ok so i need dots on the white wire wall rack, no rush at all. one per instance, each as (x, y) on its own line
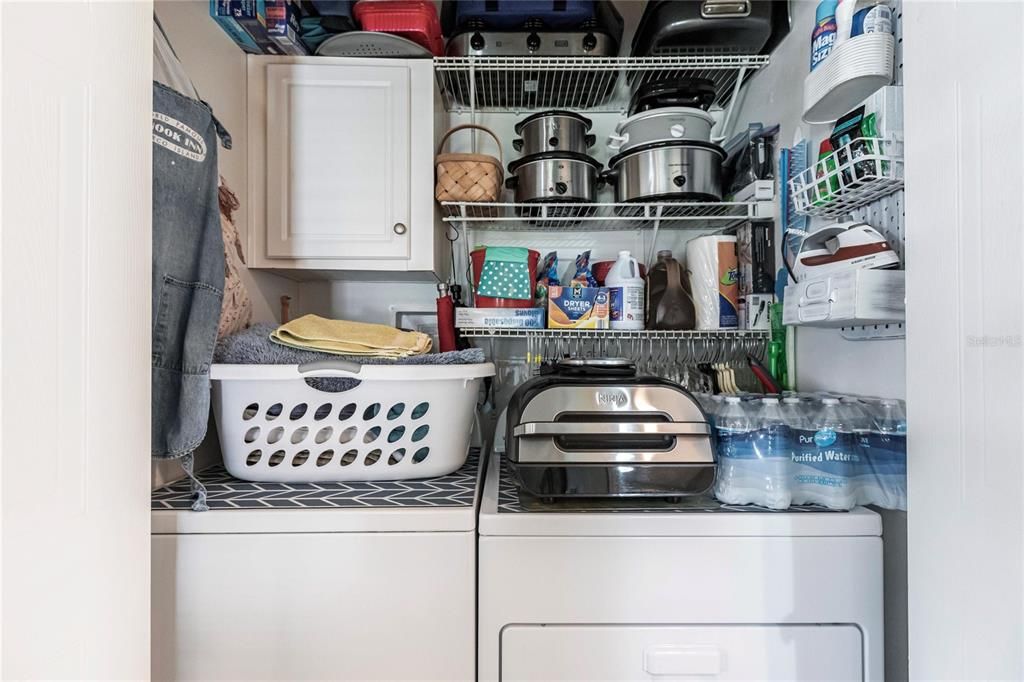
(716, 335)
(850, 178)
(598, 216)
(596, 84)
(677, 355)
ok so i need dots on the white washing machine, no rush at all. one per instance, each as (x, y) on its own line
(325, 581)
(711, 592)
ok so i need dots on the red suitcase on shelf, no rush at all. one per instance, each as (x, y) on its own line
(415, 20)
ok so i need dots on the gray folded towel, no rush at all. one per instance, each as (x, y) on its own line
(253, 346)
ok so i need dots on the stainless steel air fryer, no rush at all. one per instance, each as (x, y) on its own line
(593, 428)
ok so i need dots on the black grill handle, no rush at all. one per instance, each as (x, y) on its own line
(627, 369)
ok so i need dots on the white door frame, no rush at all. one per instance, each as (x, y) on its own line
(76, 101)
(963, 74)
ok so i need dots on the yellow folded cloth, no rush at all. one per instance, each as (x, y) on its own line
(341, 337)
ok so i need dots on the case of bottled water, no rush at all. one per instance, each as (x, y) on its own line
(837, 453)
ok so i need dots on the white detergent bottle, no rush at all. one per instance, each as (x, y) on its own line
(626, 287)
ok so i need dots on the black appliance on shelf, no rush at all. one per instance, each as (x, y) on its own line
(707, 27)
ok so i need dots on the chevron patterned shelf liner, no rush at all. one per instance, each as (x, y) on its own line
(227, 492)
(508, 502)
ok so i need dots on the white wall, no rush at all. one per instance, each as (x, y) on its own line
(824, 359)
(217, 68)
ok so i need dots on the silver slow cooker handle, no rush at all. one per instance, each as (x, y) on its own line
(609, 176)
(550, 429)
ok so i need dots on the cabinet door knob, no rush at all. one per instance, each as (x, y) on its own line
(400, 228)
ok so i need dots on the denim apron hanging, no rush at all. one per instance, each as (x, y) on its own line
(188, 273)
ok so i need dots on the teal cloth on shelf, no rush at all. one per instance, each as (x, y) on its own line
(506, 273)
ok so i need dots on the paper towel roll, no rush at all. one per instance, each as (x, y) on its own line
(711, 262)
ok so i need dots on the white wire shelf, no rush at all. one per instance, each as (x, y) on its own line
(596, 84)
(599, 216)
(614, 334)
(850, 178)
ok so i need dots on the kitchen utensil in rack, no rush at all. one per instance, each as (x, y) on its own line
(468, 177)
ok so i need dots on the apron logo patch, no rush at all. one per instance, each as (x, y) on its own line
(173, 135)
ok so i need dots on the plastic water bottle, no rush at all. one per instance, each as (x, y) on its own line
(708, 405)
(888, 457)
(626, 287)
(733, 431)
(891, 420)
(794, 413)
(823, 475)
(717, 404)
(772, 445)
(856, 415)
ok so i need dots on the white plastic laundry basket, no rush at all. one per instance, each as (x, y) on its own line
(401, 421)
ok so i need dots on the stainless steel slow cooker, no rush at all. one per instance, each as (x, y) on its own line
(670, 124)
(554, 131)
(555, 176)
(667, 171)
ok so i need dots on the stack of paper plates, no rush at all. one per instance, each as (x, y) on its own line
(851, 73)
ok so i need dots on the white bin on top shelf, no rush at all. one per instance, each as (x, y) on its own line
(291, 424)
(850, 74)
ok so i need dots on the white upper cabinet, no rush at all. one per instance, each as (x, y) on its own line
(341, 164)
(338, 178)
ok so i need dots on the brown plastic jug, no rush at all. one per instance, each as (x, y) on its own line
(669, 301)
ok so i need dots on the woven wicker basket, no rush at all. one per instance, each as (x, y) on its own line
(468, 177)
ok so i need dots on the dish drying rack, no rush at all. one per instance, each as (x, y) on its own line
(595, 84)
(841, 182)
(675, 355)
